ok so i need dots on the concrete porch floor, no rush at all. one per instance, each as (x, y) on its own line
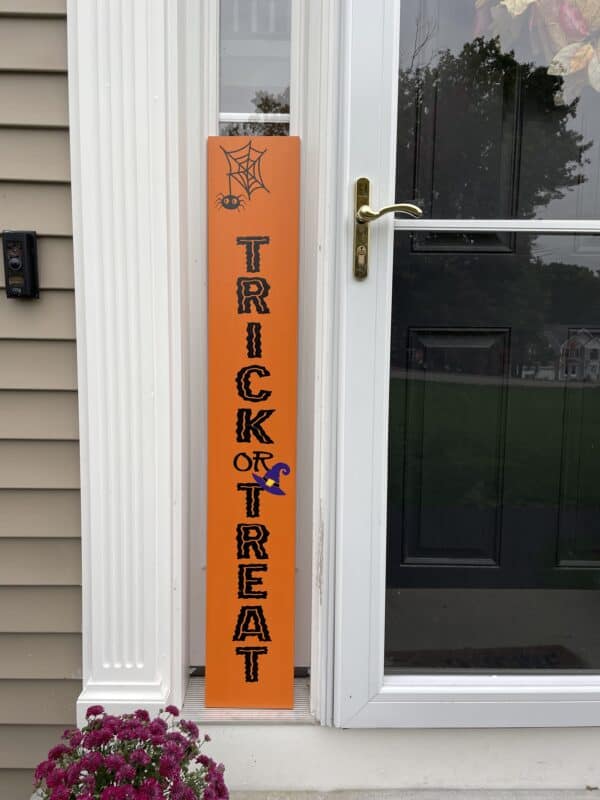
(426, 794)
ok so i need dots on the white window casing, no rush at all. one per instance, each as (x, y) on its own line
(143, 98)
(313, 101)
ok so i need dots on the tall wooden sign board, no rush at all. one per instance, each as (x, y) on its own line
(253, 201)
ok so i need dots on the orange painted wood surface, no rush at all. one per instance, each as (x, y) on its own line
(253, 201)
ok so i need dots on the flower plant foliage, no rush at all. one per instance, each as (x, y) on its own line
(131, 757)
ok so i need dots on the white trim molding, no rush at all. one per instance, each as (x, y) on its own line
(313, 105)
(466, 226)
(129, 285)
(200, 40)
(231, 116)
(314, 117)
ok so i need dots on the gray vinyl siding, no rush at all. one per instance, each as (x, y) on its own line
(40, 572)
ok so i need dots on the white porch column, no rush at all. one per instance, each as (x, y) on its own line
(123, 93)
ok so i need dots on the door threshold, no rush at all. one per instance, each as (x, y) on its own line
(194, 708)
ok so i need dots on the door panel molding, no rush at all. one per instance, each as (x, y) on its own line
(421, 393)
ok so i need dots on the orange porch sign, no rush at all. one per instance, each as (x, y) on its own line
(253, 201)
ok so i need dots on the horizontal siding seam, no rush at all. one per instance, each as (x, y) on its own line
(33, 127)
(37, 440)
(75, 538)
(8, 586)
(39, 489)
(23, 126)
(44, 632)
(51, 337)
(37, 339)
(39, 538)
(29, 390)
(35, 182)
(32, 71)
(39, 680)
(68, 236)
(33, 15)
(47, 339)
(48, 290)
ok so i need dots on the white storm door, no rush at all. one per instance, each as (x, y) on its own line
(468, 524)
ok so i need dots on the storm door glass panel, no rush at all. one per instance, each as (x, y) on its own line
(494, 457)
(493, 557)
(520, 81)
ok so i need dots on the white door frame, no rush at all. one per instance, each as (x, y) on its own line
(202, 120)
(314, 115)
(142, 85)
(364, 696)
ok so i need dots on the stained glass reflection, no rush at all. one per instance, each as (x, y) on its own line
(520, 80)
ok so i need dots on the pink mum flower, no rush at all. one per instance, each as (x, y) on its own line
(94, 711)
(140, 758)
(44, 769)
(58, 751)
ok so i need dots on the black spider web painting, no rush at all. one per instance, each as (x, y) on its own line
(243, 173)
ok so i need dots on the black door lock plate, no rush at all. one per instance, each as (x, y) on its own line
(20, 264)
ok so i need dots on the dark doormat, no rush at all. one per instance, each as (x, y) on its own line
(548, 656)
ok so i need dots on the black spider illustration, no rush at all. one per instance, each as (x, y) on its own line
(231, 202)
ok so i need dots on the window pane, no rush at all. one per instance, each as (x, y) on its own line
(255, 56)
(254, 129)
(493, 558)
(499, 108)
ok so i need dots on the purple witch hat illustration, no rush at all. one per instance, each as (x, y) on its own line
(270, 481)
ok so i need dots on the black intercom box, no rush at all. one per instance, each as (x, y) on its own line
(20, 263)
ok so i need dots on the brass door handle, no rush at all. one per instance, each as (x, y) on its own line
(363, 214)
(367, 214)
